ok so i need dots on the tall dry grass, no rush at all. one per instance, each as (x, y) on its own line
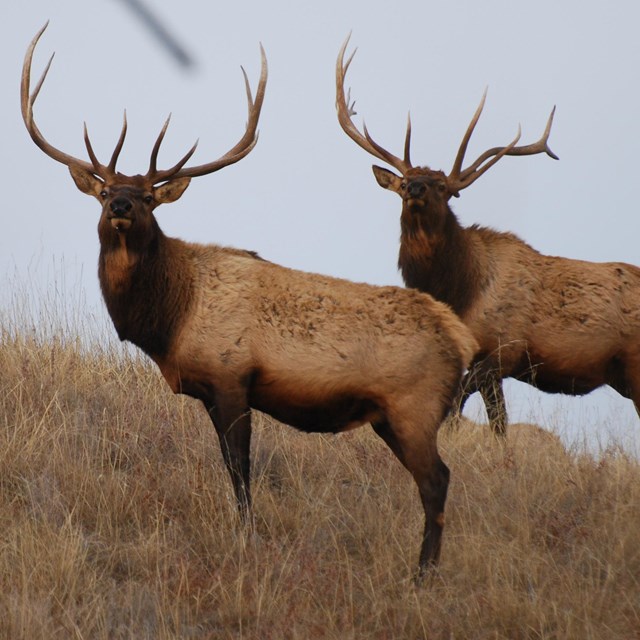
(117, 521)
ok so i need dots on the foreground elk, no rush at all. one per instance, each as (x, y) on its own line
(238, 332)
(565, 326)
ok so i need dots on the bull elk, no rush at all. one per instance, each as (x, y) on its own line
(562, 325)
(239, 333)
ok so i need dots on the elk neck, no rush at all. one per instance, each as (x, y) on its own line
(146, 283)
(437, 256)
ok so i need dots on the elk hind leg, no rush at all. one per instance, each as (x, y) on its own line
(494, 402)
(632, 381)
(467, 388)
(416, 448)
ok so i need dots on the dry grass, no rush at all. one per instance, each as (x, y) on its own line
(117, 521)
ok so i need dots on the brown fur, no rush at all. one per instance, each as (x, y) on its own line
(565, 326)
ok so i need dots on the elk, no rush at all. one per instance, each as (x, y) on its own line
(562, 325)
(239, 333)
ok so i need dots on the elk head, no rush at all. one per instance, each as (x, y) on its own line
(426, 192)
(128, 201)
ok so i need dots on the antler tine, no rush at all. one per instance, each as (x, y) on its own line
(156, 147)
(457, 165)
(97, 167)
(547, 131)
(36, 91)
(239, 151)
(383, 154)
(159, 176)
(345, 111)
(118, 149)
(407, 142)
(247, 88)
(27, 101)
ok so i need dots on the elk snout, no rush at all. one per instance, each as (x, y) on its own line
(416, 189)
(120, 206)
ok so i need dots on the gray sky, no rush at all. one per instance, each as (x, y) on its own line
(306, 197)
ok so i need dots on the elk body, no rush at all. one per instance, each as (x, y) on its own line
(562, 325)
(239, 333)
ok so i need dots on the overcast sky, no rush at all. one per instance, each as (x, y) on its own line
(306, 197)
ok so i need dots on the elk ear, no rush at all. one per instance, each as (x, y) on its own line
(172, 190)
(86, 181)
(387, 179)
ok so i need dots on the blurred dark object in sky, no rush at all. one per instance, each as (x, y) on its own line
(153, 23)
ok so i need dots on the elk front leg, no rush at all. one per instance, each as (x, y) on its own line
(231, 417)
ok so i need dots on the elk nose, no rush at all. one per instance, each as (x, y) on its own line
(120, 205)
(416, 189)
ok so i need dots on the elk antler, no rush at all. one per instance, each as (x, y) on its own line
(345, 109)
(460, 178)
(239, 151)
(26, 103)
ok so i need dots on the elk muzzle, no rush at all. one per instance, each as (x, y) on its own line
(416, 189)
(118, 215)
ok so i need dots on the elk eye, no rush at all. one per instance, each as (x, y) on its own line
(403, 185)
(148, 199)
(104, 193)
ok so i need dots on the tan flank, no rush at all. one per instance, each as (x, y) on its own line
(564, 326)
(238, 332)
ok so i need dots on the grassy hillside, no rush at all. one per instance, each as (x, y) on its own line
(117, 520)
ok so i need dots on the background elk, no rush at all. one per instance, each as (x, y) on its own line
(565, 326)
(238, 332)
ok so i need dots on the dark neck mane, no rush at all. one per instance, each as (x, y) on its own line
(146, 293)
(442, 263)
